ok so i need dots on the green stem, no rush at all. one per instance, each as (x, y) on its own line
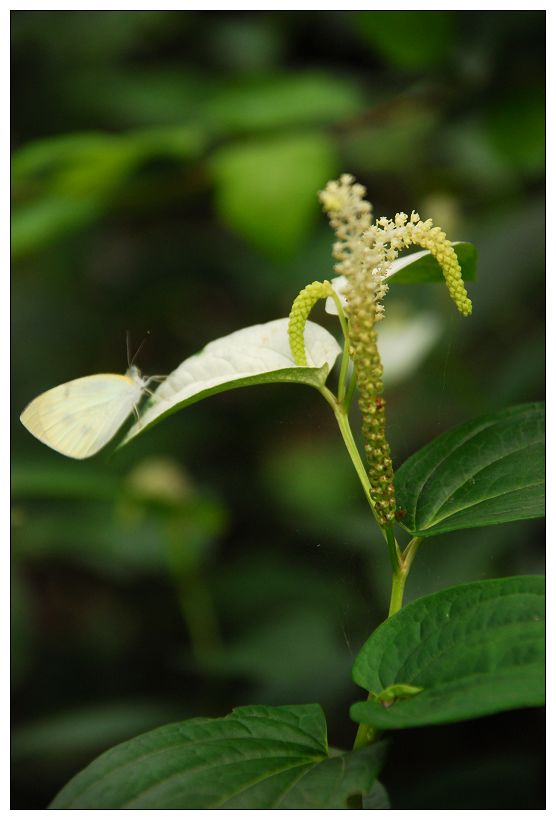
(345, 354)
(401, 562)
(367, 734)
(396, 595)
(347, 435)
(393, 548)
(350, 389)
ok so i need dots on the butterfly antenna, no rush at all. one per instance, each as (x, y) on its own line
(137, 352)
(127, 344)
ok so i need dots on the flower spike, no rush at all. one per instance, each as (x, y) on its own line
(301, 308)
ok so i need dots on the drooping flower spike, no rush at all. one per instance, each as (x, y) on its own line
(403, 231)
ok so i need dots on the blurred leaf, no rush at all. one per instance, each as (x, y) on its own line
(377, 799)
(247, 44)
(86, 730)
(21, 627)
(306, 654)
(91, 536)
(488, 471)
(257, 757)
(267, 581)
(515, 126)
(156, 482)
(281, 101)
(396, 144)
(266, 188)
(58, 479)
(254, 355)
(475, 649)
(313, 479)
(404, 341)
(63, 183)
(73, 164)
(409, 39)
(130, 536)
(480, 166)
(48, 219)
(141, 96)
(109, 36)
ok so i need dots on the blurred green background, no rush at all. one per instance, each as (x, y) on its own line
(165, 171)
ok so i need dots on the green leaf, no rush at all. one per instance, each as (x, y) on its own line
(377, 799)
(475, 649)
(281, 101)
(409, 39)
(266, 188)
(488, 471)
(254, 355)
(86, 730)
(62, 184)
(421, 266)
(47, 219)
(257, 757)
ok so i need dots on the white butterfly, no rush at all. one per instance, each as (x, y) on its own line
(79, 417)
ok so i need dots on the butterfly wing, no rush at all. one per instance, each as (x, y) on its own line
(79, 417)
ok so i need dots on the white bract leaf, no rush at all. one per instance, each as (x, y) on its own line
(339, 282)
(253, 355)
(404, 342)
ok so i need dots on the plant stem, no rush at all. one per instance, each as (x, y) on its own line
(345, 354)
(343, 423)
(365, 733)
(401, 562)
(350, 389)
(396, 594)
(393, 548)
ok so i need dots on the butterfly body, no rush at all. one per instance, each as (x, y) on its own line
(79, 417)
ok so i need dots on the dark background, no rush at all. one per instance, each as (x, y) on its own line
(165, 172)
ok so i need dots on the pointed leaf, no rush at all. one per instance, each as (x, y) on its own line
(475, 650)
(488, 471)
(254, 355)
(257, 757)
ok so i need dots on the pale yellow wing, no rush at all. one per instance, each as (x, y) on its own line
(79, 417)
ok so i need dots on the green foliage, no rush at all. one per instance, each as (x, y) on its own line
(125, 524)
(377, 799)
(474, 649)
(488, 471)
(265, 188)
(409, 39)
(280, 102)
(255, 758)
(515, 126)
(64, 183)
(86, 731)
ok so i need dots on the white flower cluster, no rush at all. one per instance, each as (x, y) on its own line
(351, 218)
